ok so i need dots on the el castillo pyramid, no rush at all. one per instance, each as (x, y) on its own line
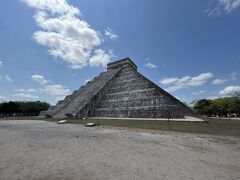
(121, 91)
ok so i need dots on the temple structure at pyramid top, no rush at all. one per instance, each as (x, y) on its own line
(121, 63)
(121, 91)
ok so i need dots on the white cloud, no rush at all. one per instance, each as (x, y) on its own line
(233, 76)
(213, 97)
(2, 98)
(56, 90)
(87, 80)
(229, 91)
(229, 5)
(26, 90)
(168, 81)
(100, 58)
(218, 81)
(197, 93)
(5, 77)
(53, 6)
(223, 6)
(8, 78)
(26, 96)
(186, 81)
(39, 79)
(68, 37)
(110, 34)
(150, 65)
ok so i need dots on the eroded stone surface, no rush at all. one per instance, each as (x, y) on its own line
(121, 91)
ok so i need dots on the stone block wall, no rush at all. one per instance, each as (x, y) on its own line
(121, 91)
(130, 95)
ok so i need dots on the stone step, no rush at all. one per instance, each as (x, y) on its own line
(134, 86)
(151, 101)
(122, 78)
(127, 82)
(132, 99)
(132, 94)
(127, 73)
(147, 90)
(87, 93)
(137, 107)
(63, 103)
(127, 69)
(166, 111)
(51, 108)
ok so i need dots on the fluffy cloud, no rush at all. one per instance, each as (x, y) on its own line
(26, 90)
(168, 81)
(39, 79)
(2, 98)
(26, 96)
(68, 37)
(56, 90)
(229, 5)
(53, 6)
(100, 57)
(197, 93)
(110, 34)
(230, 90)
(7, 78)
(186, 81)
(233, 76)
(221, 6)
(150, 65)
(218, 81)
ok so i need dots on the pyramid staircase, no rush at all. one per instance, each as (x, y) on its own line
(121, 91)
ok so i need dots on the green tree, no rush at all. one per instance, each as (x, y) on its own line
(221, 106)
(10, 108)
(27, 108)
(202, 106)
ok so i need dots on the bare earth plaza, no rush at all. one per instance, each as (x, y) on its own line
(45, 150)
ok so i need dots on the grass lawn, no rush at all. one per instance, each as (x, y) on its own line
(223, 127)
(20, 118)
(211, 126)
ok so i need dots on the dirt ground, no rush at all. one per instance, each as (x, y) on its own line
(45, 150)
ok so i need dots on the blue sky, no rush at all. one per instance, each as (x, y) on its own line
(51, 47)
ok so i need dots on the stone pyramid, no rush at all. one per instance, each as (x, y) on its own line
(121, 91)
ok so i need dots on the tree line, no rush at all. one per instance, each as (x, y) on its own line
(221, 107)
(25, 108)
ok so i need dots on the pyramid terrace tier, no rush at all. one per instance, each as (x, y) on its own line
(128, 87)
(138, 102)
(134, 94)
(141, 112)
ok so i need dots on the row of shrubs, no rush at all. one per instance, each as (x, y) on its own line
(25, 108)
(221, 107)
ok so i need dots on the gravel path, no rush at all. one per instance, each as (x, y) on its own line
(43, 150)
